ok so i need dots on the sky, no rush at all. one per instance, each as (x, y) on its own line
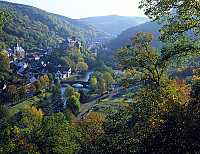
(86, 8)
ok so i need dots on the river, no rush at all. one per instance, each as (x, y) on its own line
(85, 77)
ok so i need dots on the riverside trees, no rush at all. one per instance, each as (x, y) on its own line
(73, 99)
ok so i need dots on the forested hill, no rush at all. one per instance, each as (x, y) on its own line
(33, 27)
(114, 24)
(126, 36)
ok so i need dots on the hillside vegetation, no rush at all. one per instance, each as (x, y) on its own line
(126, 36)
(114, 24)
(33, 27)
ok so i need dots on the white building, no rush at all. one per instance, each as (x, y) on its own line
(19, 52)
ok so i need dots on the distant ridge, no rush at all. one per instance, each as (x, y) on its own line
(33, 27)
(125, 39)
(126, 36)
(114, 24)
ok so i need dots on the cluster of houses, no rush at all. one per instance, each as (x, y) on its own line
(31, 66)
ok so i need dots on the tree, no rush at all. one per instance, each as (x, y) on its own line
(32, 117)
(12, 89)
(142, 60)
(73, 99)
(18, 136)
(82, 67)
(57, 135)
(12, 92)
(44, 80)
(84, 96)
(37, 85)
(32, 88)
(91, 129)
(74, 103)
(56, 89)
(4, 66)
(57, 100)
(108, 78)
(69, 91)
(196, 85)
(50, 76)
(93, 82)
(3, 111)
(22, 92)
(102, 86)
(185, 13)
(81, 60)
(4, 61)
(3, 19)
(178, 17)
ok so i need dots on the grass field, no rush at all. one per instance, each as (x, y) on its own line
(34, 100)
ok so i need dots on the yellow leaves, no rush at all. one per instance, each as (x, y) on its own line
(155, 121)
(38, 113)
(16, 130)
(76, 94)
(142, 37)
(95, 117)
(130, 72)
(81, 60)
(196, 78)
(21, 142)
(44, 80)
(176, 91)
(92, 125)
(93, 81)
(125, 84)
(82, 67)
(183, 92)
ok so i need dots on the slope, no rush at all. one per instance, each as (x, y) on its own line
(33, 27)
(114, 24)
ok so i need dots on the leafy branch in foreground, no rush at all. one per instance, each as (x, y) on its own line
(146, 63)
(177, 17)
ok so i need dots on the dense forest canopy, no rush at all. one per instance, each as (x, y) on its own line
(144, 107)
(33, 27)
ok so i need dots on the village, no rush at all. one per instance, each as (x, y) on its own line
(32, 70)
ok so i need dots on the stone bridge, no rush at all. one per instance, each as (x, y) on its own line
(85, 84)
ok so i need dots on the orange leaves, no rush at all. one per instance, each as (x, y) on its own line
(96, 118)
(92, 126)
(183, 91)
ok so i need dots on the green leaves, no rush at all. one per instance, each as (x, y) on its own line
(3, 19)
(141, 58)
(176, 16)
(73, 99)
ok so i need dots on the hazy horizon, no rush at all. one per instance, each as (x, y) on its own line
(86, 8)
